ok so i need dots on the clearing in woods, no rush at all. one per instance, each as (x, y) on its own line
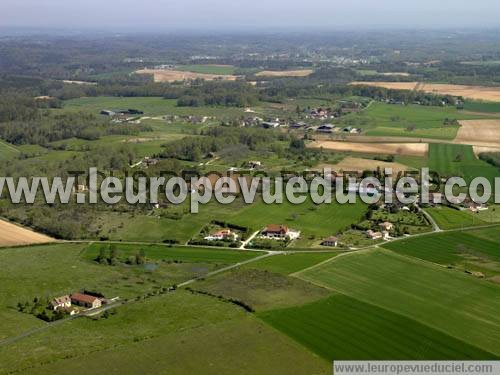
(413, 149)
(470, 92)
(13, 235)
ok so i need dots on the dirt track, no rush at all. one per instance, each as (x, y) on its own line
(413, 149)
(471, 92)
(13, 235)
(177, 75)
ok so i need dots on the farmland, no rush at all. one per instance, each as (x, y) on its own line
(187, 322)
(315, 222)
(208, 69)
(62, 268)
(458, 161)
(152, 106)
(14, 235)
(471, 92)
(289, 263)
(285, 73)
(161, 75)
(262, 290)
(171, 254)
(415, 121)
(360, 164)
(341, 327)
(463, 250)
(411, 149)
(479, 132)
(439, 298)
(450, 218)
(246, 288)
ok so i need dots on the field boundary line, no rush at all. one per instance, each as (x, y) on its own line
(295, 274)
(417, 261)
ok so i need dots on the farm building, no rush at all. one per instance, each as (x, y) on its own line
(387, 226)
(85, 300)
(270, 125)
(327, 128)
(276, 231)
(220, 235)
(60, 302)
(330, 241)
(254, 164)
(374, 235)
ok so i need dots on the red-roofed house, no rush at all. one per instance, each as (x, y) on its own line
(276, 231)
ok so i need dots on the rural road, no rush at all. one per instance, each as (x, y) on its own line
(88, 313)
(435, 225)
(245, 243)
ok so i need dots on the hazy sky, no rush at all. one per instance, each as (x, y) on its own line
(199, 14)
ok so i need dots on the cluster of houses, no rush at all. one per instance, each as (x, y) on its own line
(67, 303)
(192, 119)
(467, 204)
(328, 113)
(123, 115)
(382, 234)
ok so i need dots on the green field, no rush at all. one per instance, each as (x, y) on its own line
(450, 218)
(54, 270)
(446, 300)
(208, 69)
(474, 250)
(381, 119)
(458, 161)
(161, 225)
(262, 290)
(487, 107)
(181, 254)
(314, 221)
(343, 328)
(163, 334)
(152, 106)
(287, 264)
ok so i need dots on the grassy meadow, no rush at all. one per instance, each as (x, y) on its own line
(474, 250)
(189, 323)
(314, 221)
(450, 218)
(458, 161)
(446, 300)
(417, 121)
(344, 328)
